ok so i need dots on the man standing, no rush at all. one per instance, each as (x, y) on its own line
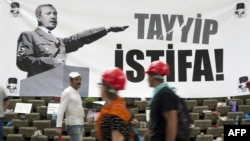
(71, 104)
(3, 106)
(164, 115)
(39, 50)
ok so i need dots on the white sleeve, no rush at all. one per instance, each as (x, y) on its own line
(65, 98)
(3, 93)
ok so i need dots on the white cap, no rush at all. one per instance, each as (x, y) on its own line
(74, 74)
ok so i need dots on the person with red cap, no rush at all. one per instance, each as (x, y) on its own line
(112, 123)
(164, 106)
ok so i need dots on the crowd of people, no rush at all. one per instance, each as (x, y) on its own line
(114, 119)
(113, 122)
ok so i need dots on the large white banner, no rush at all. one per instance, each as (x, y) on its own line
(205, 42)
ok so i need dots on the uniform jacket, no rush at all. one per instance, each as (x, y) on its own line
(37, 51)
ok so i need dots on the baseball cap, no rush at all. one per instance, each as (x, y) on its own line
(74, 74)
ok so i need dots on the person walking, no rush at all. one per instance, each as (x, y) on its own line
(112, 123)
(168, 113)
(71, 105)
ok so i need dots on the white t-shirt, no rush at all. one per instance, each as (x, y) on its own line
(2, 97)
(71, 104)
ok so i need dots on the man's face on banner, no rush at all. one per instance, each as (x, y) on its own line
(15, 10)
(48, 17)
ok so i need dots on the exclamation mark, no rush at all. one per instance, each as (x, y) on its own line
(219, 64)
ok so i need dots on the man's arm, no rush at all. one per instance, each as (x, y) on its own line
(6, 103)
(117, 28)
(248, 85)
(33, 56)
(5, 99)
(169, 112)
(117, 136)
(118, 126)
(76, 41)
(146, 136)
(171, 118)
(65, 98)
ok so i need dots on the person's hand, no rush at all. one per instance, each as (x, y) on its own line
(248, 84)
(59, 131)
(146, 136)
(117, 28)
(58, 62)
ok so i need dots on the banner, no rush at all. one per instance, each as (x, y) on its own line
(205, 42)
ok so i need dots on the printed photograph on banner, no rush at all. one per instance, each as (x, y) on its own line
(242, 84)
(40, 51)
(12, 86)
(14, 9)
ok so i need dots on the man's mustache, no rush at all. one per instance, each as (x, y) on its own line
(53, 21)
(78, 84)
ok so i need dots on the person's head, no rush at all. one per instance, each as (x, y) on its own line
(46, 15)
(12, 84)
(75, 80)
(113, 80)
(240, 9)
(14, 8)
(156, 72)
